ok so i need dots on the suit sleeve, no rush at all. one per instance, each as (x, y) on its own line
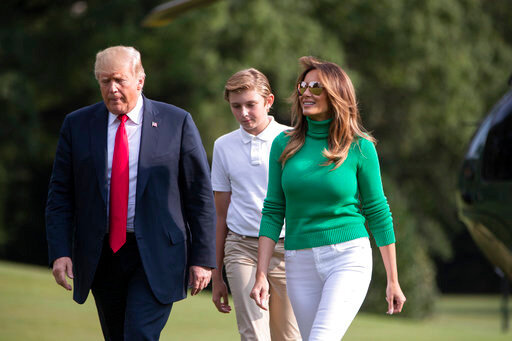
(60, 205)
(197, 196)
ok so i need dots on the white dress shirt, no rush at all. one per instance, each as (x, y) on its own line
(133, 126)
(240, 166)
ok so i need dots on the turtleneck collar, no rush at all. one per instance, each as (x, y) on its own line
(318, 129)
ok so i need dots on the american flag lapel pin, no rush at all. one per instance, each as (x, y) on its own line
(154, 124)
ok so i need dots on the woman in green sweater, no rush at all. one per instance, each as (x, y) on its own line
(324, 178)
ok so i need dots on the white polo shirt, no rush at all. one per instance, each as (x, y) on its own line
(240, 166)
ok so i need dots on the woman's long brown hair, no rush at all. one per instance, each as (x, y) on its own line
(346, 121)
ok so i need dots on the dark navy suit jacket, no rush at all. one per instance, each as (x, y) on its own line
(174, 211)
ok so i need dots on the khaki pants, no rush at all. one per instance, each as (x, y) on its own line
(241, 254)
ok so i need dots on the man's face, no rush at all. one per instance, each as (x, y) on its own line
(120, 88)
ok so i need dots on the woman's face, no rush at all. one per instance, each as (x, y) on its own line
(251, 110)
(316, 107)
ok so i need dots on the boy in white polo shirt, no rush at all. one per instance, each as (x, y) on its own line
(239, 179)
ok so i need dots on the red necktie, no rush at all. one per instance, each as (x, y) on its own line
(119, 184)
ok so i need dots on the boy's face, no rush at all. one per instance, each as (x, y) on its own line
(250, 110)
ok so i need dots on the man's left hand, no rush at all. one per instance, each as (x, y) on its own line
(199, 277)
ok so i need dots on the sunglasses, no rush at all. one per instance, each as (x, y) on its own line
(314, 87)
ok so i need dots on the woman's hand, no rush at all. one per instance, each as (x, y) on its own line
(259, 292)
(394, 295)
(395, 298)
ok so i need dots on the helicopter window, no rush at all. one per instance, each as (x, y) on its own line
(478, 140)
(497, 158)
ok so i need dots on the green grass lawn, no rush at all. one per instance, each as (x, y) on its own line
(33, 307)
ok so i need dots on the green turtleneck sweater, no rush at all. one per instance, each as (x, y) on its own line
(324, 207)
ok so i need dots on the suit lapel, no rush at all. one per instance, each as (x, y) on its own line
(148, 143)
(98, 136)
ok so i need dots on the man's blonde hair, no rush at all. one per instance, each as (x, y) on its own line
(116, 53)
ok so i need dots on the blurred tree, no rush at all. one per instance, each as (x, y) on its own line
(45, 72)
(420, 69)
(424, 72)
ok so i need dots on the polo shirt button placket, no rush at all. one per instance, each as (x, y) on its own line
(255, 151)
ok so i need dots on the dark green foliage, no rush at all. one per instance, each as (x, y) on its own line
(416, 270)
(425, 72)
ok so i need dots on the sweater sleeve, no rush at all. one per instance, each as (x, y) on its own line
(374, 203)
(274, 205)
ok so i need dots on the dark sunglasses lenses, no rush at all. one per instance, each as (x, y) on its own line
(314, 87)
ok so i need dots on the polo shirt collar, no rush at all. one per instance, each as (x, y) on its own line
(265, 135)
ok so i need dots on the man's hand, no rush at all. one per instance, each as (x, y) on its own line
(199, 277)
(61, 267)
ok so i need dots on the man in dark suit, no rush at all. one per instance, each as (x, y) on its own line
(130, 212)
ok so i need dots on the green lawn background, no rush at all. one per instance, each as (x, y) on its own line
(33, 307)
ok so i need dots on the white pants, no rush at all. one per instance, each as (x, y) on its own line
(327, 286)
